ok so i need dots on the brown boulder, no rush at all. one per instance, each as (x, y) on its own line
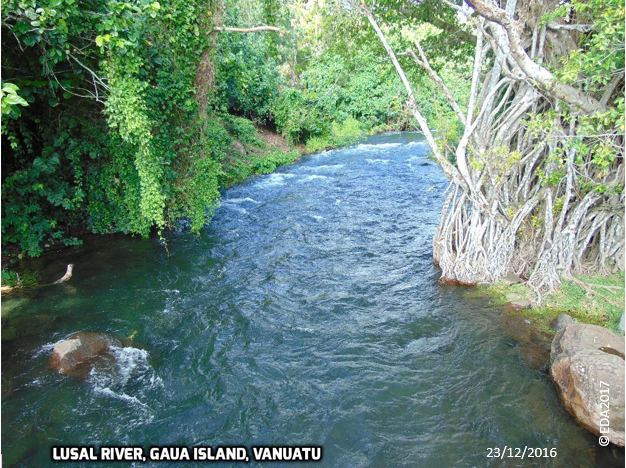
(587, 365)
(75, 355)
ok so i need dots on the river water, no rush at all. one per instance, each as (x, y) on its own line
(308, 312)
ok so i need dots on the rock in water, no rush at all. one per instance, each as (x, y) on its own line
(587, 365)
(562, 321)
(518, 304)
(535, 355)
(75, 355)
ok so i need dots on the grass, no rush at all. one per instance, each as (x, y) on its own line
(24, 278)
(570, 299)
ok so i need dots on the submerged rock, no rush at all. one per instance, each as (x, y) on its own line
(522, 330)
(13, 305)
(535, 355)
(587, 365)
(76, 355)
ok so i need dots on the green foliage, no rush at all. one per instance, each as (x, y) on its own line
(23, 278)
(570, 299)
(247, 79)
(242, 130)
(341, 134)
(102, 132)
(335, 89)
(142, 159)
(9, 278)
(10, 100)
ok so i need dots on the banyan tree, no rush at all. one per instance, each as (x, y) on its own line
(537, 176)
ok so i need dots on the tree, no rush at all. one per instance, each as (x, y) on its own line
(538, 185)
(204, 81)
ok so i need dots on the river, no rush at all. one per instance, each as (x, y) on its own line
(308, 312)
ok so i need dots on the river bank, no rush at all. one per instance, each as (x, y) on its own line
(254, 150)
(591, 299)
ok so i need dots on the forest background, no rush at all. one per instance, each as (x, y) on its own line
(128, 116)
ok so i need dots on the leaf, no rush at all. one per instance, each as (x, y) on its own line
(9, 86)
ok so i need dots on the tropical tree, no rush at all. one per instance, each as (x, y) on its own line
(537, 177)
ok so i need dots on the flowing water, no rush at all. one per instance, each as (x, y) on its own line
(308, 312)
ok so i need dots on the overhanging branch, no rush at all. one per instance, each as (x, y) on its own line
(247, 30)
(542, 76)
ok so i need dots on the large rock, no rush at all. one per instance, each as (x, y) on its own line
(76, 355)
(587, 364)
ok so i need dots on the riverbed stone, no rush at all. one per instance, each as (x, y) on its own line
(513, 297)
(522, 330)
(561, 322)
(535, 355)
(518, 304)
(586, 364)
(511, 279)
(76, 355)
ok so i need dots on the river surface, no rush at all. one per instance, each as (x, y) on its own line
(307, 313)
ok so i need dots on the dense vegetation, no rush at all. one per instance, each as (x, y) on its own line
(124, 116)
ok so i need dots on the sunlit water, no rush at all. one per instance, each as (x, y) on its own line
(308, 312)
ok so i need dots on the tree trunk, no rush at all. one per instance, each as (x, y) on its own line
(204, 81)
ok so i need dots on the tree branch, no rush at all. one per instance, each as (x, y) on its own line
(435, 77)
(610, 89)
(539, 74)
(571, 27)
(446, 166)
(247, 30)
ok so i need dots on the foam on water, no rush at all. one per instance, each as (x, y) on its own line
(309, 178)
(239, 200)
(323, 167)
(378, 161)
(126, 378)
(234, 207)
(274, 180)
